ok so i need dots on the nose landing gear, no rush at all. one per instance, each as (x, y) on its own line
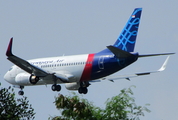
(21, 92)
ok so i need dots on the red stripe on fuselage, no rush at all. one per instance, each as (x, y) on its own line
(86, 75)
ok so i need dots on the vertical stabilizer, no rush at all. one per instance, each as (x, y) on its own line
(127, 39)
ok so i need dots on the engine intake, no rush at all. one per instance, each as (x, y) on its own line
(34, 79)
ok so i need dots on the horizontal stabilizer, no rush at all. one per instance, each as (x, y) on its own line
(149, 55)
(118, 52)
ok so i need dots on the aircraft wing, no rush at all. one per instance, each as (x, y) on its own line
(30, 68)
(163, 67)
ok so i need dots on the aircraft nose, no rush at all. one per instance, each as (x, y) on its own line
(7, 77)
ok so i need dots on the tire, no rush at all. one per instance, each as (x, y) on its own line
(53, 87)
(58, 88)
(21, 92)
(80, 90)
(83, 90)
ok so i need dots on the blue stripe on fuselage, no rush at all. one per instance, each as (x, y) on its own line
(105, 63)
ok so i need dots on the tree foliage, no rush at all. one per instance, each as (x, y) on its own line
(12, 108)
(123, 106)
(120, 107)
(73, 108)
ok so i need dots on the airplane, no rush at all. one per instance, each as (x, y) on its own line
(78, 71)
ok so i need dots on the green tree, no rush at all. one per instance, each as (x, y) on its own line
(73, 108)
(120, 107)
(123, 106)
(12, 108)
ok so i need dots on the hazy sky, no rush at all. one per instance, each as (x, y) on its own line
(52, 28)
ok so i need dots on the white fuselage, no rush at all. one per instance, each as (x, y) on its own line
(69, 66)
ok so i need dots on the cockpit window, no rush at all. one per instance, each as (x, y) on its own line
(10, 69)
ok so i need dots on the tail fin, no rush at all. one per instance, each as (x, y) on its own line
(127, 38)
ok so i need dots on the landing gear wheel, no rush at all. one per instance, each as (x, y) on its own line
(83, 90)
(56, 87)
(80, 90)
(21, 92)
(53, 87)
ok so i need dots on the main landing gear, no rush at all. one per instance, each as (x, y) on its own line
(83, 90)
(56, 87)
(83, 87)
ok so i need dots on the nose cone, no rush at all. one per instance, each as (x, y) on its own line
(8, 78)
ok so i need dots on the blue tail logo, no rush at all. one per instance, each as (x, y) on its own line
(127, 39)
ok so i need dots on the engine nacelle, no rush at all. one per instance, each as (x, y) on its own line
(72, 86)
(25, 79)
(22, 79)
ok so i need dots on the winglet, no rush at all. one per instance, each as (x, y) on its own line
(163, 67)
(9, 49)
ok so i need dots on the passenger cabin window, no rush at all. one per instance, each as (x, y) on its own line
(64, 64)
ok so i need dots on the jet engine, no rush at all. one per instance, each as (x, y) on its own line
(26, 79)
(72, 86)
